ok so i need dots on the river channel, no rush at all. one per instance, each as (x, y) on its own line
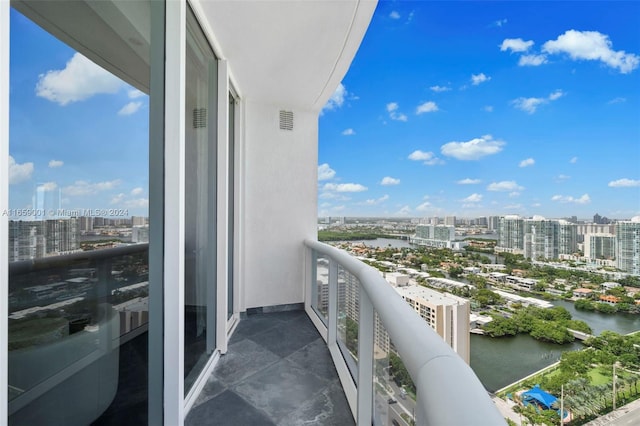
(501, 361)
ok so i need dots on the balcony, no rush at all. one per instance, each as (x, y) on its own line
(297, 367)
(327, 361)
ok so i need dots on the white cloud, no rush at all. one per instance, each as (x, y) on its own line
(348, 132)
(429, 106)
(79, 80)
(514, 194)
(532, 60)
(387, 180)
(500, 22)
(55, 163)
(392, 109)
(617, 100)
(468, 181)
(344, 187)
(375, 201)
(439, 89)
(81, 187)
(404, 211)
(325, 172)
(584, 199)
(130, 108)
(504, 186)
(474, 149)
(562, 178)
(425, 207)
(136, 203)
(337, 99)
(513, 207)
(488, 108)
(135, 93)
(527, 162)
(479, 78)
(473, 198)
(48, 186)
(592, 46)
(515, 45)
(530, 105)
(19, 173)
(394, 15)
(428, 158)
(624, 183)
(556, 95)
(117, 199)
(573, 160)
(137, 191)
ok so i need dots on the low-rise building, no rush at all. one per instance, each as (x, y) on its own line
(582, 292)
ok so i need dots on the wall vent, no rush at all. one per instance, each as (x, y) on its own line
(286, 120)
(199, 118)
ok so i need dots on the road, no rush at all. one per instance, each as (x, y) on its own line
(628, 415)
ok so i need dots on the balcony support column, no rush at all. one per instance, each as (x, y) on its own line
(365, 359)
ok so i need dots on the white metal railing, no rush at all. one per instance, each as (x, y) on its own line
(448, 391)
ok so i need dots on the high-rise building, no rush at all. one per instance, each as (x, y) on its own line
(85, 223)
(439, 236)
(511, 234)
(537, 238)
(450, 220)
(541, 238)
(628, 245)
(138, 220)
(493, 223)
(567, 237)
(600, 246)
(39, 238)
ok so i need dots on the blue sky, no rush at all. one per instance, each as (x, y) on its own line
(480, 108)
(449, 108)
(76, 131)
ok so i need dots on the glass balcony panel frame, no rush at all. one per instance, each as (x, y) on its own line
(440, 375)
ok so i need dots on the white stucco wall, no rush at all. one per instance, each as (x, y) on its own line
(280, 203)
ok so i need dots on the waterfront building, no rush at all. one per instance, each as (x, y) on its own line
(628, 245)
(537, 238)
(85, 223)
(437, 236)
(447, 314)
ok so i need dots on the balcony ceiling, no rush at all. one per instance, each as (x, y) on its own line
(289, 53)
(292, 53)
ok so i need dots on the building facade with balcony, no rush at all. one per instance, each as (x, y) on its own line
(233, 92)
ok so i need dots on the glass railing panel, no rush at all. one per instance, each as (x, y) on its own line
(347, 322)
(320, 286)
(68, 317)
(394, 393)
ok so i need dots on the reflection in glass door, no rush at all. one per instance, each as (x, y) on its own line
(200, 196)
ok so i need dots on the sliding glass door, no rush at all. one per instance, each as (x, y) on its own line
(200, 203)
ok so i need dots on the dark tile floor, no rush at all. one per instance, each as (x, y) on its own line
(277, 371)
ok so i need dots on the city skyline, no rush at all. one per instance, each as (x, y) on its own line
(477, 109)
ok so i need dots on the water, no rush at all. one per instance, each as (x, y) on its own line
(501, 361)
(384, 243)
